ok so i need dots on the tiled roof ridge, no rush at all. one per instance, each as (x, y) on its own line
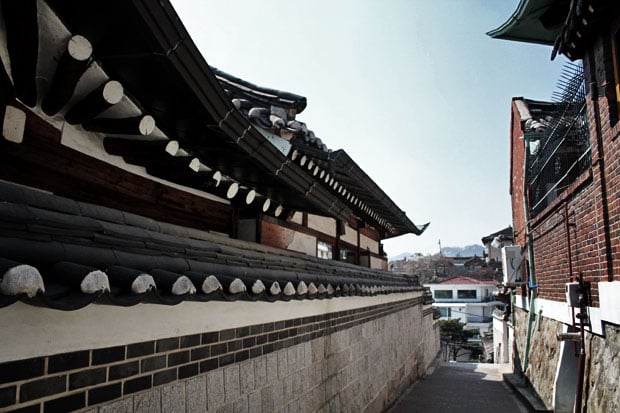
(265, 95)
(469, 280)
(270, 109)
(10, 192)
(101, 256)
(113, 219)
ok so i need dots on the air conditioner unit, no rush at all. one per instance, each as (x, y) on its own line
(511, 265)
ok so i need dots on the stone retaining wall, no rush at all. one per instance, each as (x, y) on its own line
(601, 386)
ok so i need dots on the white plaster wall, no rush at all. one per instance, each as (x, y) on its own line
(303, 243)
(377, 263)
(350, 235)
(608, 310)
(297, 218)
(367, 243)
(322, 224)
(29, 331)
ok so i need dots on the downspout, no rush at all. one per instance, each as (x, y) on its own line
(584, 294)
(531, 280)
(568, 244)
(583, 290)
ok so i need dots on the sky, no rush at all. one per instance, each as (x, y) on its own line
(413, 90)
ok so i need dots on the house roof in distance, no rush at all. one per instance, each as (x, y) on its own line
(502, 235)
(462, 280)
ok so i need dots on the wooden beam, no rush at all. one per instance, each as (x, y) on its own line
(100, 99)
(7, 92)
(22, 35)
(42, 162)
(140, 149)
(204, 181)
(142, 125)
(71, 66)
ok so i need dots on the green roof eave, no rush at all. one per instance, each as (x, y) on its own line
(524, 25)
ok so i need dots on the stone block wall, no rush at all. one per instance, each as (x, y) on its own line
(353, 360)
(543, 355)
(601, 385)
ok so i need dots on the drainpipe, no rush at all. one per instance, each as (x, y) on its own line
(584, 320)
(568, 244)
(531, 281)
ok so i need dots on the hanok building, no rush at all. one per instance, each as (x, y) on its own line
(493, 243)
(565, 202)
(214, 252)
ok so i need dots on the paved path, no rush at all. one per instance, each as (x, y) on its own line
(461, 388)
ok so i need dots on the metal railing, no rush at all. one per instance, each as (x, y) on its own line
(556, 157)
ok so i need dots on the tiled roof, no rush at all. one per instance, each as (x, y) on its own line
(502, 235)
(275, 112)
(467, 280)
(270, 109)
(205, 129)
(66, 254)
(568, 26)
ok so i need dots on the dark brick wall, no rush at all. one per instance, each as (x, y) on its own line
(86, 378)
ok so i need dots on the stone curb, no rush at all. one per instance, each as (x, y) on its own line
(525, 392)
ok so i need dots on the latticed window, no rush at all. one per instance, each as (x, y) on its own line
(443, 293)
(466, 294)
(561, 152)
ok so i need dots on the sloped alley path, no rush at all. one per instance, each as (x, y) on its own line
(461, 388)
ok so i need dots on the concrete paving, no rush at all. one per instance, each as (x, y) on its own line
(461, 388)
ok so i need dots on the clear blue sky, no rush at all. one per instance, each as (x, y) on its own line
(414, 91)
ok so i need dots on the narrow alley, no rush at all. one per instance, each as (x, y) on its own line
(462, 388)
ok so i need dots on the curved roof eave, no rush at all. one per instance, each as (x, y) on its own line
(156, 37)
(236, 125)
(390, 210)
(524, 24)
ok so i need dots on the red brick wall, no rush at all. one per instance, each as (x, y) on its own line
(517, 152)
(585, 219)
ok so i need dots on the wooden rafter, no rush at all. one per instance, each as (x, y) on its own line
(22, 33)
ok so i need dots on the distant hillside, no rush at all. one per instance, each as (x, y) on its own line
(468, 251)
(407, 255)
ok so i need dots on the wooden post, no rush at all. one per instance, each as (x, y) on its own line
(72, 65)
(22, 33)
(100, 99)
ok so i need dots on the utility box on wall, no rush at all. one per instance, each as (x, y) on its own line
(572, 294)
(511, 265)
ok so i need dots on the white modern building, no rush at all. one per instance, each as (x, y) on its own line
(465, 298)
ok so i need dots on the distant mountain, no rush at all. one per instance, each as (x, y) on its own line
(404, 255)
(467, 251)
